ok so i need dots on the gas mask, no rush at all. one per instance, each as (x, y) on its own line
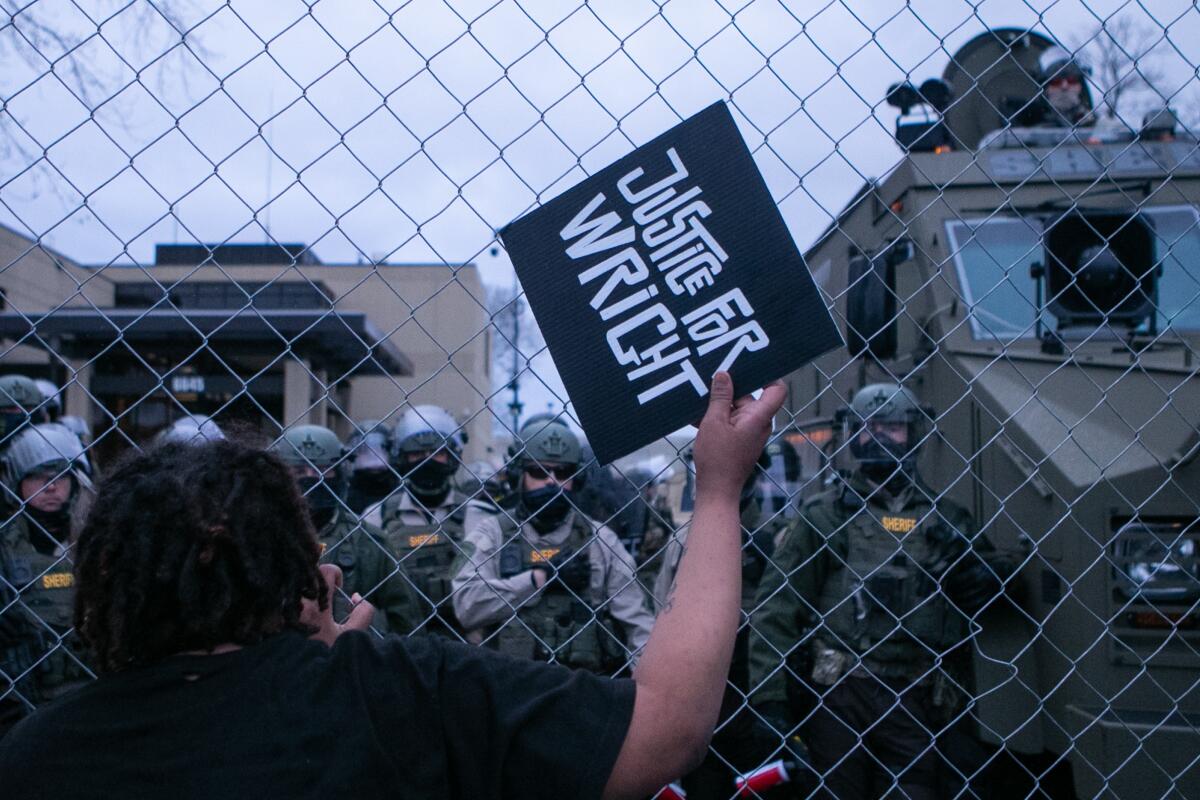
(882, 456)
(429, 480)
(323, 496)
(547, 507)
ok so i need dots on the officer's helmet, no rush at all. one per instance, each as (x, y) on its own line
(191, 429)
(874, 422)
(77, 426)
(309, 446)
(427, 429)
(18, 391)
(67, 442)
(370, 446)
(45, 449)
(1057, 64)
(52, 398)
(20, 402)
(542, 444)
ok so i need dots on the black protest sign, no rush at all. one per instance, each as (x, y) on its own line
(666, 266)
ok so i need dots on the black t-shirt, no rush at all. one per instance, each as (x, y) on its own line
(290, 718)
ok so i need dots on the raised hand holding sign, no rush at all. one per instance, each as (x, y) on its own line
(660, 270)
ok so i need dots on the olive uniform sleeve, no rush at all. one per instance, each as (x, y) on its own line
(785, 607)
(481, 597)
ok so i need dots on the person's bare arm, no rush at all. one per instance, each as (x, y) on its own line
(682, 674)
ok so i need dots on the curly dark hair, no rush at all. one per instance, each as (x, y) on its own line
(190, 546)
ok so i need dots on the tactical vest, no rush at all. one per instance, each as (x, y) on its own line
(574, 631)
(881, 599)
(47, 588)
(426, 552)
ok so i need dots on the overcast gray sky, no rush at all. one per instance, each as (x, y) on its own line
(412, 131)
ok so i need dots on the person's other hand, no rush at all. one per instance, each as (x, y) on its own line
(732, 436)
(328, 629)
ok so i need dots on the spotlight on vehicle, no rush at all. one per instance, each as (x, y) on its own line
(1100, 270)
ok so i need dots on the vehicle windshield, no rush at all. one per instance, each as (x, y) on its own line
(993, 259)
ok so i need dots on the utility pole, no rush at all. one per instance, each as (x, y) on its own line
(515, 405)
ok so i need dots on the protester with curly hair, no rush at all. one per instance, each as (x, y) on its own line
(197, 585)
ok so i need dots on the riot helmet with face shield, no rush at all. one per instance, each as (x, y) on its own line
(41, 474)
(1064, 88)
(428, 448)
(372, 477)
(317, 460)
(885, 426)
(191, 429)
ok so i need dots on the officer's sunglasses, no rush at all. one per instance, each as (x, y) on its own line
(539, 473)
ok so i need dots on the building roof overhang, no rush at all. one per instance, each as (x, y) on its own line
(345, 342)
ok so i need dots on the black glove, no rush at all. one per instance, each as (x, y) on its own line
(567, 570)
(972, 583)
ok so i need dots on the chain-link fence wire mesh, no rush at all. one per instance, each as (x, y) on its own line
(1009, 613)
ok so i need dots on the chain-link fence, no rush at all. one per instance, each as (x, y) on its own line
(278, 221)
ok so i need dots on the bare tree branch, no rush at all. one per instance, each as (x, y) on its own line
(1125, 66)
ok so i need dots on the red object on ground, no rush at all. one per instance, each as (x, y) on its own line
(765, 777)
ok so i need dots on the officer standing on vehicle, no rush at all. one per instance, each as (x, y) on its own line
(860, 622)
(425, 520)
(317, 461)
(1065, 100)
(35, 545)
(544, 581)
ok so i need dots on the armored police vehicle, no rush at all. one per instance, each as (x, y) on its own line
(1037, 283)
